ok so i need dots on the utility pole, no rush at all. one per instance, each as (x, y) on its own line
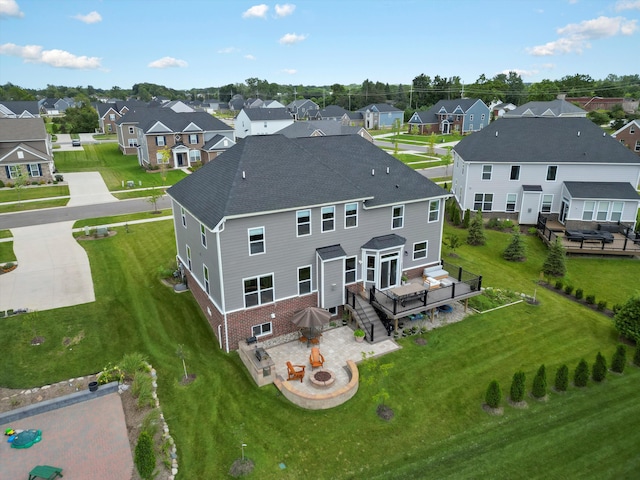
(411, 96)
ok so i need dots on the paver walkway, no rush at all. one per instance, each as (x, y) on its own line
(87, 440)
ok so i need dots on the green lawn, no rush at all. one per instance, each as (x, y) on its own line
(114, 167)
(439, 429)
(20, 207)
(30, 193)
(5, 234)
(133, 194)
(6, 252)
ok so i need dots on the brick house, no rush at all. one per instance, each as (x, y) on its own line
(279, 224)
(629, 136)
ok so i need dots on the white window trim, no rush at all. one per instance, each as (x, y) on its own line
(606, 212)
(547, 174)
(310, 267)
(37, 170)
(593, 210)
(258, 277)
(130, 130)
(612, 211)
(203, 235)
(205, 279)
(270, 332)
(183, 216)
(542, 202)
(191, 142)
(310, 227)
(161, 141)
(483, 201)
(355, 270)
(519, 172)
(345, 215)
(264, 241)
(490, 172)
(515, 202)
(189, 263)
(437, 211)
(426, 250)
(322, 219)
(401, 217)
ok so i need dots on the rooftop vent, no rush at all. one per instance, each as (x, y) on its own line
(578, 132)
(496, 133)
(373, 171)
(387, 170)
(243, 174)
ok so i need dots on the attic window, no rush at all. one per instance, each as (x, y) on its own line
(20, 154)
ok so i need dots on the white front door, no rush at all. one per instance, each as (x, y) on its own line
(529, 210)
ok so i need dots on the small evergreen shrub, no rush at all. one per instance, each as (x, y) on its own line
(145, 456)
(636, 356)
(616, 307)
(581, 374)
(558, 284)
(568, 289)
(599, 371)
(455, 216)
(466, 220)
(517, 387)
(591, 299)
(619, 360)
(579, 293)
(539, 389)
(532, 230)
(602, 304)
(493, 395)
(555, 263)
(1, 184)
(476, 236)
(562, 379)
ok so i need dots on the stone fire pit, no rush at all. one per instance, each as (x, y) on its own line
(322, 378)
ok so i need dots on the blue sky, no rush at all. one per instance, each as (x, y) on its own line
(208, 43)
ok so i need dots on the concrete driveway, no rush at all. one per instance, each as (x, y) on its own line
(53, 270)
(87, 188)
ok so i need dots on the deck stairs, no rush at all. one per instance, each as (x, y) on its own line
(365, 316)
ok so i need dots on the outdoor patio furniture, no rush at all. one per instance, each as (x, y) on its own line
(295, 371)
(316, 359)
(45, 471)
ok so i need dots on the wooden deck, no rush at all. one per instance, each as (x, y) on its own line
(621, 245)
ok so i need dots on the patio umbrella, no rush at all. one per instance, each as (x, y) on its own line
(311, 317)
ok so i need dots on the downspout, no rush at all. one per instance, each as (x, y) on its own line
(222, 297)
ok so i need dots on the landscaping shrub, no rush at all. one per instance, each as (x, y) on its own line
(132, 363)
(627, 320)
(539, 389)
(562, 379)
(558, 284)
(517, 387)
(616, 307)
(579, 293)
(494, 395)
(591, 299)
(581, 374)
(507, 225)
(142, 389)
(476, 235)
(111, 373)
(554, 265)
(568, 289)
(599, 372)
(636, 356)
(466, 221)
(455, 215)
(515, 251)
(602, 304)
(151, 422)
(1, 184)
(532, 230)
(619, 360)
(145, 456)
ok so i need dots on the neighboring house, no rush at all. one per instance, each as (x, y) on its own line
(604, 103)
(110, 113)
(178, 106)
(19, 109)
(464, 116)
(212, 105)
(261, 121)
(236, 103)
(272, 104)
(380, 115)
(253, 103)
(629, 136)
(333, 112)
(566, 168)
(500, 108)
(554, 108)
(299, 108)
(55, 106)
(323, 128)
(190, 137)
(25, 146)
(279, 224)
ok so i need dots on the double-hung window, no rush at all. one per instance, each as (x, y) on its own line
(205, 274)
(183, 217)
(189, 257)
(616, 211)
(194, 156)
(258, 290)
(328, 219)
(483, 202)
(261, 330)
(350, 215)
(603, 211)
(256, 241)
(193, 138)
(350, 264)
(34, 170)
(434, 210)
(303, 223)
(130, 130)
(160, 141)
(397, 216)
(637, 147)
(552, 173)
(420, 250)
(515, 172)
(512, 198)
(547, 201)
(203, 235)
(304, 280)
(588, 210)
(486, 172)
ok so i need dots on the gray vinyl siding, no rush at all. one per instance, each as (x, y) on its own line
(285, 252)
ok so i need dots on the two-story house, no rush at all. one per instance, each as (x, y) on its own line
(566, 168)
(25, 147)
(190, 137)
(261, 121)
(300, 108)
(109, 113)
(317, 128)
(463, 116)
(278, 224)
(380, 115)
(19, 109)
(629, 135)
(558, 108)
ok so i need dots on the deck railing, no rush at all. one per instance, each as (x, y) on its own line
(351, 296)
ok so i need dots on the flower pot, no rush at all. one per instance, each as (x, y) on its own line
(93, 386)
(359, 339)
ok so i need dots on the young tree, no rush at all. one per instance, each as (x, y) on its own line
(554, 265)
(515, 252)
(539, 389)
(619, 360)
(145, 456)
(20, 180)
(599, 371)
(517, 387)
(562, 379)
(581, 374)
(476, 235)
(453, 241)
(182, 355)
(455, 215)
(493, 395)
(466, 220)
(627, 320)
(154, 197)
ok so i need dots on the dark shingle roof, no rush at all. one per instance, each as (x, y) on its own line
(553, 108)
(272, 172)
(257, 114)
(604, 190)
(431, 115)
(175, 121)
(385, 241)
(380, 107)
(543, 140)
(326, 127)
(334, 251)
(333, 111)
(20, 106)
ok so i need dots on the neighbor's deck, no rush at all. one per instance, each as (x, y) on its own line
(621, 245)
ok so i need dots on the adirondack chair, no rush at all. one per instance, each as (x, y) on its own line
(295, 371)
(45, 471)
(316, 359)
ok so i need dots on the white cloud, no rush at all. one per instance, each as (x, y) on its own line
(55, 58)
(290, 71)
(257, 11)
(627, 5)
(249, 57)
(575, 37)
(9, 8)
(93, 17)
(292, 38)
(521, 72)
(284, 10)
(228, 50)
(167, 62)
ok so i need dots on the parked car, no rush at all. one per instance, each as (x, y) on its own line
(75, 142)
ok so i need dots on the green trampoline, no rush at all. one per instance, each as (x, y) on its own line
(26, 438)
